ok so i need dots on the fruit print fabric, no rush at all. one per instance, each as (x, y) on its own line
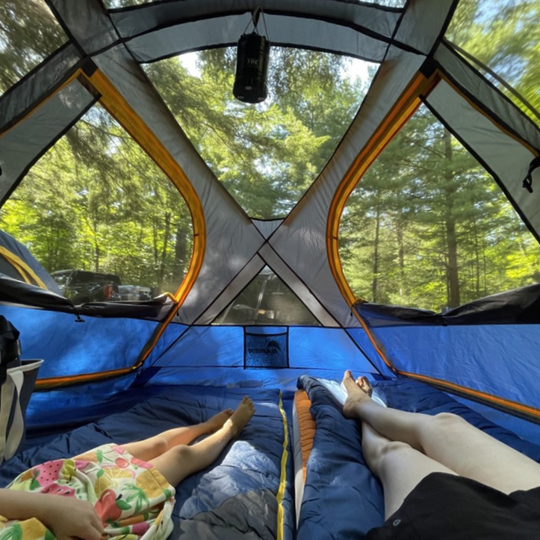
(132, 498)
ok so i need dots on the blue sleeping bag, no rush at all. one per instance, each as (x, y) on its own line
(236, 497)
(342, 498)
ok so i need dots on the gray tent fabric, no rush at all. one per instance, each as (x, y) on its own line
(87, 22)
(432, 17)
(266, 228)
(284, 31)
(493, 102)
(237, 248)
(24, 96)
(133, 22)
(231, 238)
(507, 158)
(301, 239)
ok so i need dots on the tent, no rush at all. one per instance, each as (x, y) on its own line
(484, 351)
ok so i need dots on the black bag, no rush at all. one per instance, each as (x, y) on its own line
(17, 380)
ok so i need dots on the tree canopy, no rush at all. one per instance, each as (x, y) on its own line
(266, 155)
(28, 34)
(95, 201)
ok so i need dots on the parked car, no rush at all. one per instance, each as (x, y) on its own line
(129, 292)
(135, 293)
(145, 293)
(82, 286)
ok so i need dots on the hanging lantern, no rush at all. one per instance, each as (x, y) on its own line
(252, 66)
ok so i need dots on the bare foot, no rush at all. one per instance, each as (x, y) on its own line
(364, 384)
(217, 421)
(356, 394)
(240, 418)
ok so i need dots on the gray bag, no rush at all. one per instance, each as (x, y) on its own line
(17, 380)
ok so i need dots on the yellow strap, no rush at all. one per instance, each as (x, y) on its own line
(283, 478)
(22, 268)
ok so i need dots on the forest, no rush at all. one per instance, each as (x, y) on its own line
(426, 226)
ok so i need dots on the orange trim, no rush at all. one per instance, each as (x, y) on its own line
(119, 108)
(68, 81)
(306, 426)
(150, 346)
(392, 123)
(521, 141)
(405, 107)
(506, 403)
(374, 342)
(54, 382)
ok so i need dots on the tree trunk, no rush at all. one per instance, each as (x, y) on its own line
(477, 260)
(401, 257)
(452, 274)
(180, 252)
(96, 246)
(374, 291)
(163, 258)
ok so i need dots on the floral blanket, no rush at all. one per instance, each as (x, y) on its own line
(132, 498)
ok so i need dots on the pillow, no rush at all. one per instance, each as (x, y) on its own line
(340, 394)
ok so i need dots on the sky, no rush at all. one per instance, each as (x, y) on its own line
(357, 68)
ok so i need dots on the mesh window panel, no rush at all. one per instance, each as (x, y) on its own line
(29, 33)
(266, 155)
(428, 227)
(100, 216)
(503, 35)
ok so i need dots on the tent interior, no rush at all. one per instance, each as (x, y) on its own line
(379, 212)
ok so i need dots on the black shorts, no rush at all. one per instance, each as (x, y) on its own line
(447, 507)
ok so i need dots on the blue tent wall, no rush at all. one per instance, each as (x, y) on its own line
(525, 429)
(74, 348)
(500, 360)
(360, 337)
(215, 355)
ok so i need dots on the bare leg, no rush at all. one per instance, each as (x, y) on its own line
(153, 447)
(399, 467)
(181, 460)
(448, 439)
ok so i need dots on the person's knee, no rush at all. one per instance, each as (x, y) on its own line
(159, 446)
(182, 453)
(387, 451)
(449, 421)
(441, 425)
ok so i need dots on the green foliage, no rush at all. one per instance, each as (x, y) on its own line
(505, 36)
(266, 155)
(424, 197)
(426, 227)
(28, 34)
(95, 201)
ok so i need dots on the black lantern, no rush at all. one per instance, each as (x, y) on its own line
(252, 66)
